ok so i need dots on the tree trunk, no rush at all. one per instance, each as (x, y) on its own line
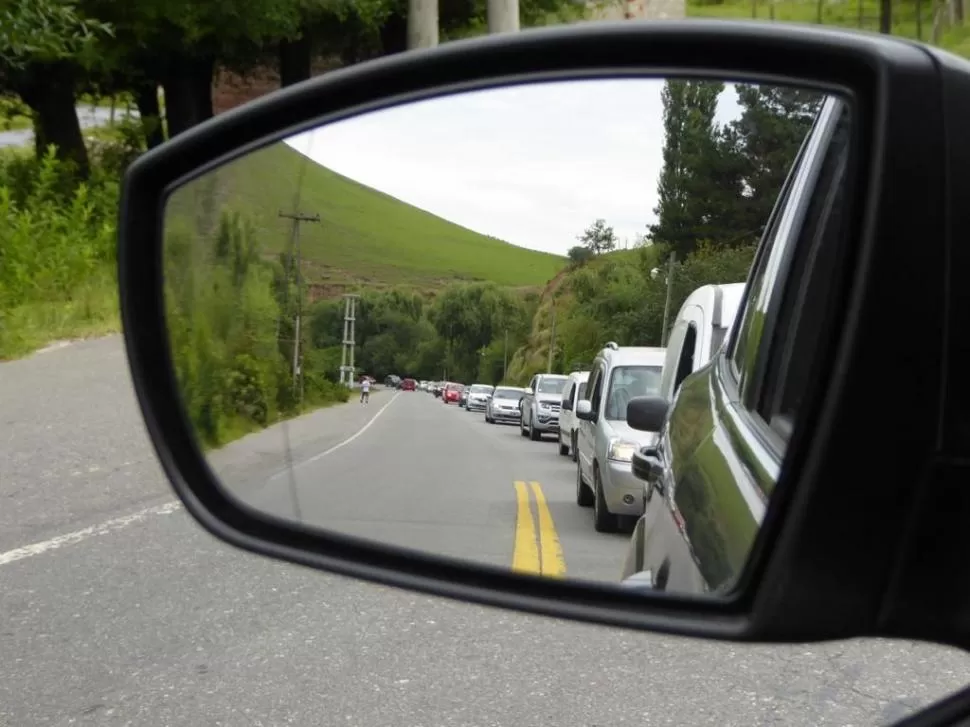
(146, 99)
(188, 93)
(886, 16)
(294, 59)
(48, 89)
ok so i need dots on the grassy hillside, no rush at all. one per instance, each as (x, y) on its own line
(365, 237)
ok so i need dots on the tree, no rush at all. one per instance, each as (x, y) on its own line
(699, 184)
(598, 238)
(579, 254)
(44, 47)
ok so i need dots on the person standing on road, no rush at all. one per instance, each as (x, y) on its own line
(364, 390)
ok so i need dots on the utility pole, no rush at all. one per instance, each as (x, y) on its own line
(503, 16)
(552, 341)
(297, 218)
(670, 282)
(349, 340)
(505, 356)
(422, 24)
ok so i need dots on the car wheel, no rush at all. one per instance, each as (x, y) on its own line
(522, 426)
(584, 498)
(573, 445)
(603, 520)
(534, 435)
(563, 448)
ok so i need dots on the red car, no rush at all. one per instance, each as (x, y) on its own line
(452, 393)
(408, 385)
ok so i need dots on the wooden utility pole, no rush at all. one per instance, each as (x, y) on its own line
(670, 283)
(552, 341)
(505, 357)
(297, 218)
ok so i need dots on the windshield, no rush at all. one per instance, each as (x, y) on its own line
(627, 382)
(551, 386)
(507, 394)
(481, 389)
(581, 394)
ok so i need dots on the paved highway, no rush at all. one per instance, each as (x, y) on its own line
(410, 470)
(119, 610)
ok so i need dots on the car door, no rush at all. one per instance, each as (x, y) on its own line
(587, 430)
(566, 408)
(726, 435)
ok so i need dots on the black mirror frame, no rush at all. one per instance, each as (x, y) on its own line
(647, 413)
(894, 86)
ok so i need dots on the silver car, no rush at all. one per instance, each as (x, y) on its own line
(478, 396)
(541, 406)
(503, 405)
(605, 442)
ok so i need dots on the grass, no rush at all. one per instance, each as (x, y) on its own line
(366, 238)
(857, 15)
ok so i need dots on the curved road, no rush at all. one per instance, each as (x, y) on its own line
(118, 609)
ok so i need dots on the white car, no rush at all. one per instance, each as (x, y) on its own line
(568, 423)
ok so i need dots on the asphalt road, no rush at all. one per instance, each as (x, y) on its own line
(409, 470)
(119, 610)
(88, 116)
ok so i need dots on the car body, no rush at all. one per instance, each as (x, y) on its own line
(451, 394)
(605, 442)
(709, 477)
(503, 405)
(477, 396)
(463, 396)
(392, 381)
(539, 409)
(568, 423)
(408, 385)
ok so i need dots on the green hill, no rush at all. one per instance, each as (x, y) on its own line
(365, 237)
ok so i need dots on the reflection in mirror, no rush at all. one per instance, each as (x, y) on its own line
(374, 324)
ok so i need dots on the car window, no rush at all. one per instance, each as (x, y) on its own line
(685, 364)
(803, 310)
(568, 394)
(804, 219)
(551, 386)
(595, 383)
(627, 382)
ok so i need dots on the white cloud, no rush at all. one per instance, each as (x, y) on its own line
(533, 165)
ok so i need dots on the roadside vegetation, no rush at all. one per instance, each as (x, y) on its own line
(437, 300)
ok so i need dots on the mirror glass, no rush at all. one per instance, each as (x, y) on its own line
(374, 323)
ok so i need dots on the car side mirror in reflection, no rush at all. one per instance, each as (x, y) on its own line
(646, 465)
(584, 410)
(647, 413)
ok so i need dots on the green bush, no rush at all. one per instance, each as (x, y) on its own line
(57, 252)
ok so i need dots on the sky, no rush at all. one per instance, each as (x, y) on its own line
(532, 165)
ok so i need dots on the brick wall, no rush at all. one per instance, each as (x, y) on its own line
(230, 89)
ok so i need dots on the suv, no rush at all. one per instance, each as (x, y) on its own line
(574, 392)
(723, 437)
(539, 408)
(605, 443)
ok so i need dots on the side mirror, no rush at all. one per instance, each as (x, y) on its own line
(584, 410)
(529, 392)
(647, 413)
(646, 465)
(567, 405)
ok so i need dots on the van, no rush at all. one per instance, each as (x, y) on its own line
(698, 331)
(605, 443)
(568, 423)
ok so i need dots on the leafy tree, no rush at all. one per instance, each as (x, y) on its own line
(598, 238)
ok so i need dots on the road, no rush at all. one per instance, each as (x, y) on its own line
(409, 470)
(119, 610)
(87, 115)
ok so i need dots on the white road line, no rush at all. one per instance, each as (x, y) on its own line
(337, 446)
(77, 536)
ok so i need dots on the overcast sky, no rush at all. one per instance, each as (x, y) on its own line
(533, 165)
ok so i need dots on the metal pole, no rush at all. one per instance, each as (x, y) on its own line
(503, 16)
(422, 24)
(670, 283)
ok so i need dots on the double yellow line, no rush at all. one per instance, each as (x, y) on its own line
(537, 549)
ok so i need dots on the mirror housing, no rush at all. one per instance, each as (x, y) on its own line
(646, 465)
(566, 405)
(584, 410)
(529, 392)
(647, 413)
(893, 85)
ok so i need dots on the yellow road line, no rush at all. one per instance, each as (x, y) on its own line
(553, 562)
(525, 553)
